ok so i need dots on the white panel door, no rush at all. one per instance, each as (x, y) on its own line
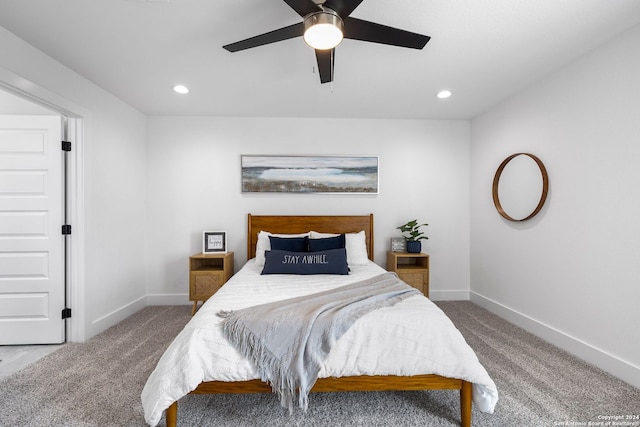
(32, 289)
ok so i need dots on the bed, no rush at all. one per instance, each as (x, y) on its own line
(200, 362)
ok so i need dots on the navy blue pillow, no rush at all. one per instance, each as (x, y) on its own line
(328, 243)
(291, 244)
(333, 261)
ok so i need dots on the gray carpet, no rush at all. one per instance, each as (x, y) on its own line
(99, 383)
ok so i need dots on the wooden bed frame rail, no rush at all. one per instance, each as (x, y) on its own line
(360, 383)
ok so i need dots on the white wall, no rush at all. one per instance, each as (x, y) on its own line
(194, 185)
(111, 276)
(572, 274)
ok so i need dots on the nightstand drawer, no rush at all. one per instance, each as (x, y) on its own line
(205, 284)
(416, 279)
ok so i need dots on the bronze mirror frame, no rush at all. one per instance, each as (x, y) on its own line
(496, 182)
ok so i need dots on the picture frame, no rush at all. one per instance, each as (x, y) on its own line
(309, 174)
(398, 244)
(214, 242)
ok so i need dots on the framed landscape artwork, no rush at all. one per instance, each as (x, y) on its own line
(309, 174)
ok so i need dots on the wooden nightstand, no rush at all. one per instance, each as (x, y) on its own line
(207, 273)
(412, 268)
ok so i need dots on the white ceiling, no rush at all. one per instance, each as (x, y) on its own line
(482, 50)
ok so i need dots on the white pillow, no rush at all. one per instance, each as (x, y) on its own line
(355, 244)
(264, 244)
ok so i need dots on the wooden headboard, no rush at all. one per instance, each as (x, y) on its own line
(290, 224)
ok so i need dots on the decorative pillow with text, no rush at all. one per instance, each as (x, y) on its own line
(333, 261)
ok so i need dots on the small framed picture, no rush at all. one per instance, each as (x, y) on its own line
(214, 242)
(398, 244)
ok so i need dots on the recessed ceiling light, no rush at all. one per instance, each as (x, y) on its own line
(443, 94)
(180, 89)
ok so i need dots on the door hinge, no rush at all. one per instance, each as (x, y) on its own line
(66, 313)
(66, 229)
(66, 146)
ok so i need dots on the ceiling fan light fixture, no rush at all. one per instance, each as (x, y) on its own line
(323, 30)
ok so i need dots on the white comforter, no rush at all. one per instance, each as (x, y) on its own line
(411, 338)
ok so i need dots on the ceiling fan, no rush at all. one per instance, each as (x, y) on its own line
(325, 23)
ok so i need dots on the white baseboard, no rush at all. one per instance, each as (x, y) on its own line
(168, 299)
(116, 316)
(448, 295)
(600, 358)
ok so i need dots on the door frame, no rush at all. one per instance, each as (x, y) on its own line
(78, 121)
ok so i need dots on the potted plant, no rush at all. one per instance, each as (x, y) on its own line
(411, 231)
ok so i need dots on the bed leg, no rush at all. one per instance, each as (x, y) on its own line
(465, 404)
(171, 415)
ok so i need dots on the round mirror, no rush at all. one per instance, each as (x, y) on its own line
(520, 187)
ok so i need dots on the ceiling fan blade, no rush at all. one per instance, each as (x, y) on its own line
(325, 58)
(343, 7)
(274, 36)
(303, 7)
(359, 29)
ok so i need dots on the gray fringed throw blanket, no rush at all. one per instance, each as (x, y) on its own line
(288, 340)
